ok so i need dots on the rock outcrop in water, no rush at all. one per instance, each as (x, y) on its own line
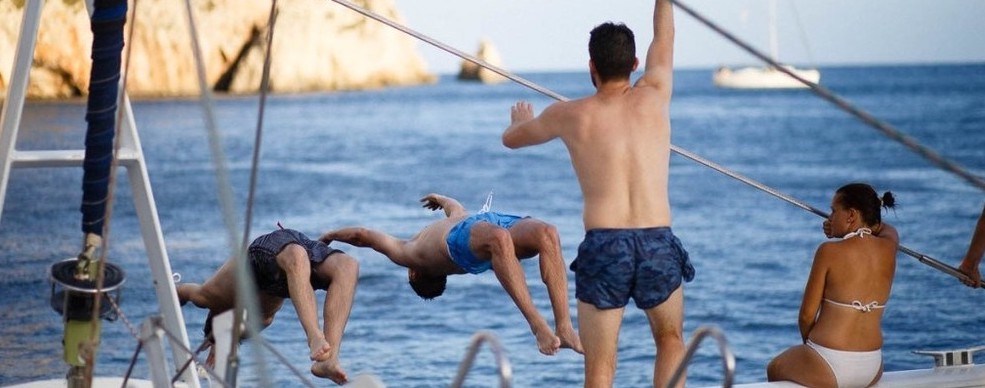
(318, 45)
(473, 72)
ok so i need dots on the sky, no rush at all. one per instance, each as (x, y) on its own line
(549, 35)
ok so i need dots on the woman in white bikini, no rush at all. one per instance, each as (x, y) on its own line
(845, 296)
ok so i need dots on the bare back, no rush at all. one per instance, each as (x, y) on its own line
(618, 138)
(428, 252)
(858, 269)
(619, 144)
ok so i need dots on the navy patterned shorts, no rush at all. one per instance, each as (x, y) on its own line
(616, 264)
(270, 278)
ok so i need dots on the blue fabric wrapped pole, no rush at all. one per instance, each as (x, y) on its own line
(107, 23)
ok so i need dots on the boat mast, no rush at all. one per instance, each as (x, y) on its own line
(774, 41)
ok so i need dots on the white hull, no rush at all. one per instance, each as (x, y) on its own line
(938, 377)
(763, 78)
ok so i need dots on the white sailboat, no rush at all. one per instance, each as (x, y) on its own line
(765, 77)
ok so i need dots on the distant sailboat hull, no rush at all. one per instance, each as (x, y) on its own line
(766, 77)
(763, 78)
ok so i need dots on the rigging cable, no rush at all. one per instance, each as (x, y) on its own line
(803, 34)
(224, 186)
(246, 292)
(244, 282)
(685, 153)
(222, 178)
(215, 141)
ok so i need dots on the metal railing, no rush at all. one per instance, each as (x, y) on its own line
(728, 359)
(502, 363)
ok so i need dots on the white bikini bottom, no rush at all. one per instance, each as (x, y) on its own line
(851, 369)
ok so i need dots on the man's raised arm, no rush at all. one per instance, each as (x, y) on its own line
(659, 66)
(437, 201)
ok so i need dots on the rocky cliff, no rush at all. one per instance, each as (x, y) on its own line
(318, 45)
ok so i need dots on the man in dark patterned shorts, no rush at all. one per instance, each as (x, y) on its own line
(618, 140)
(287, 264)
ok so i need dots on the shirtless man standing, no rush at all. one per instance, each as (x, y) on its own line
(619, 143)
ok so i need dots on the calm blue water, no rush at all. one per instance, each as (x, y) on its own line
(338, 159)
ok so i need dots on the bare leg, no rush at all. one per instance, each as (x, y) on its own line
(342, 272)
(488, 240)
(187, 291)
(802, 365)
(293, 259)
(599, 333)
(218, 293)
(667, 326)
(533, 237)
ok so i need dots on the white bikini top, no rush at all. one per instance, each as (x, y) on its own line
(856, 304)
(860, 232)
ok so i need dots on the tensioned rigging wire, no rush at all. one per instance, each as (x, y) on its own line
(244, 278)
(247, 297)
(687, 154)
(215, 142)
(803, 34)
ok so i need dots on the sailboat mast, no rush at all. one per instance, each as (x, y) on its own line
(774, 41)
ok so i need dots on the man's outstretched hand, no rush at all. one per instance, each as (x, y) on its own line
(432, 202)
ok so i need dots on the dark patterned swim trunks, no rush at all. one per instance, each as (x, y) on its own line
(616, 264)
(270, 278)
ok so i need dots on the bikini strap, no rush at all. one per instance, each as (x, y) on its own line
(860, 232)
(856, 304)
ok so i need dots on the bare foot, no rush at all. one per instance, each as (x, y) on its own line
(570, 340)
(320, 350)
(330, 369)
(547, 342)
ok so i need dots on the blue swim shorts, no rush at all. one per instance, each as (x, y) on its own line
(458, 239)
(614, 264)
(270, 278)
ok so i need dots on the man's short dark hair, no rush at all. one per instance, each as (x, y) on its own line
(612, 49)
(427, 287)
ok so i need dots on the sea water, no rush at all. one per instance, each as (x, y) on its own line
(330, 160)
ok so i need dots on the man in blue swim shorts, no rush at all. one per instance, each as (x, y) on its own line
(463, 243)
(286, 264)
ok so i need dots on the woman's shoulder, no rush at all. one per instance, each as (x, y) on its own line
(829, 250)
(830, 245)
